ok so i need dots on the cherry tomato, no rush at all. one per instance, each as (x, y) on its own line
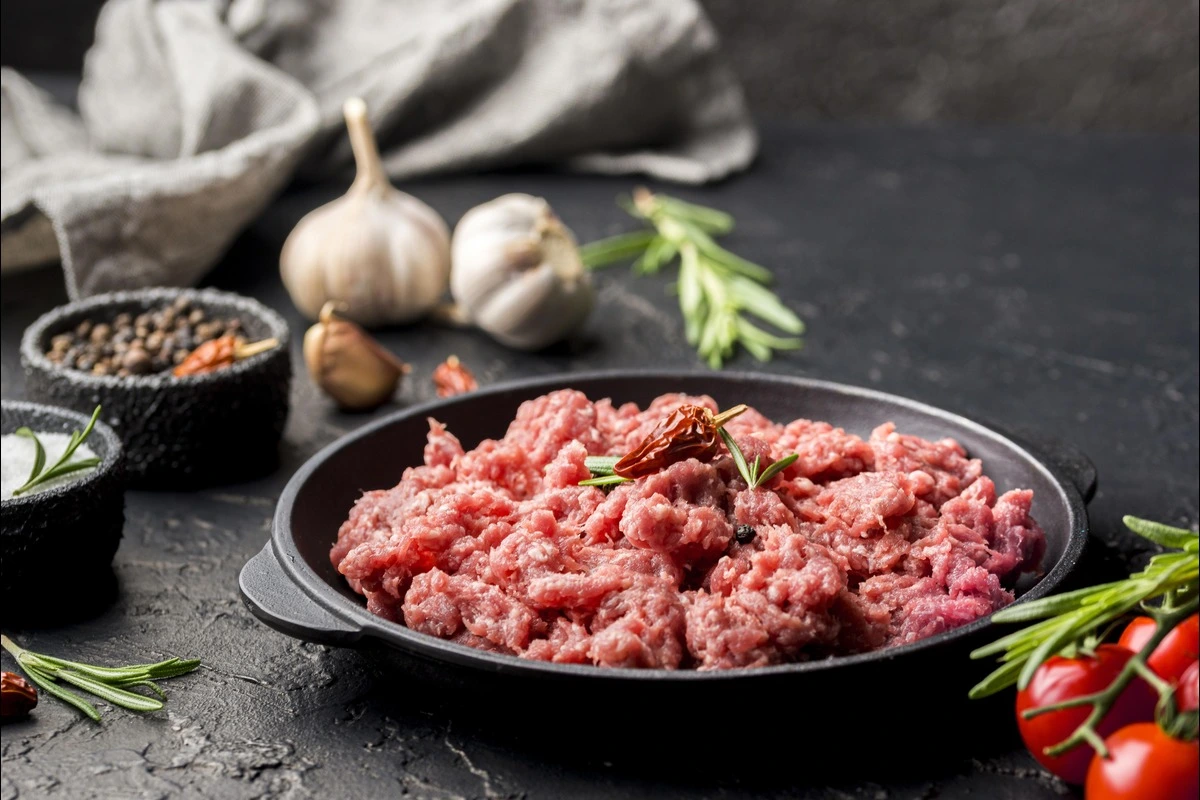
(1064, 678)
(1144, 763)
(1187, 691)
(1174, 654)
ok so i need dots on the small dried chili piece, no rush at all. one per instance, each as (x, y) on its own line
(17, 696)
(451, 378)
(219, 353)
(689, 432)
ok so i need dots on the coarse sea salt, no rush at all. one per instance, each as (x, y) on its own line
(17, 454)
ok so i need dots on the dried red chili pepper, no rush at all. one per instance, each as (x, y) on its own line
(451, 378)
(689, 432)
(17, 696)
(219, 353)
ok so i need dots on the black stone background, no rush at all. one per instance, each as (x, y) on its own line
(1034, 279)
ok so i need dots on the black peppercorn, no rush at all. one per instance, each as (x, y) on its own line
(745, 534)
(131, 343)
(100, 334)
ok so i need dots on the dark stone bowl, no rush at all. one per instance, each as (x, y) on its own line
(911, 694)
(66, 535)
(201, 430)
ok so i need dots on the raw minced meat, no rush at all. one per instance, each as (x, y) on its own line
(859, 544)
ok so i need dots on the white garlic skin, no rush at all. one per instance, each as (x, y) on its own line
(517, 274)
(382, 255)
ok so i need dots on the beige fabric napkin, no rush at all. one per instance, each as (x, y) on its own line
(193, 115)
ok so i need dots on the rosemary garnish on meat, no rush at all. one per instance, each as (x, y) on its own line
(690, 431)
(601, 468)
(107, 683)
(64, 465)
(717, 289)
(753, 474)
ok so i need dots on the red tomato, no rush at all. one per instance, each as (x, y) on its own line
(1064, 678)
(1187, 692)
(1174, 654)
(1144, 763)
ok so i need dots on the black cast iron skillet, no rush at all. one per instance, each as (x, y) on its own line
(292, 586)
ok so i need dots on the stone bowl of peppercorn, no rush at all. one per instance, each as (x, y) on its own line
(57, 531)
(194, 381)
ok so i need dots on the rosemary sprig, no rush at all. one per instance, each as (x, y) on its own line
(1171, 578)
(604, 480)
(717, 289)
(107, 683)
(751, 473)
(64, 465)
(1069, 618)
(601, 468)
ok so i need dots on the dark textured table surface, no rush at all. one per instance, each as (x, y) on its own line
(1037, 280)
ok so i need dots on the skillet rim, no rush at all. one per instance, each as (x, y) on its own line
(366, 627)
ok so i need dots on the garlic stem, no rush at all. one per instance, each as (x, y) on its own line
(368, 165)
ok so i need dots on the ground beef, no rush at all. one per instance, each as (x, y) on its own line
(857, 545)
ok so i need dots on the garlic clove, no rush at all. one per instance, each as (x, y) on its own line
(517, 272)
(383, 255)
(348, 365)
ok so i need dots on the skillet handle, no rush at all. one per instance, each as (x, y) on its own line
(1073, 463)
(272, 597)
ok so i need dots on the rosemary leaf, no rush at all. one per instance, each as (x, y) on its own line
(764, 304)
(39, 452)
(758, 350)
(655, 257)
(600, 466)
(1053, 605)
(615, 249)
(604, 480)
(1162, 535)
(149, 684)
(67, 469)
(53, 666)
(47, 685)
(728, 260)
(64, 465)
(708, 219)
(175, 669)
(738, 458)
(999, 680)
(776, 468)
(114, 695)
(752, 333)
(109, 683)
(717, 289)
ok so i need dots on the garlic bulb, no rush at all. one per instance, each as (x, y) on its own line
(382, 255)
(517, 273)
(348, 365)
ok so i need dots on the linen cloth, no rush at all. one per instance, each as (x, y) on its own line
(194, 114)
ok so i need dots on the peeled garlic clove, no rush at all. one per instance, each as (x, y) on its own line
(348, 365)
(517, 274)
(381, 254)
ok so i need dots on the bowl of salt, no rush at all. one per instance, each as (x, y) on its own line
(62, 501)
